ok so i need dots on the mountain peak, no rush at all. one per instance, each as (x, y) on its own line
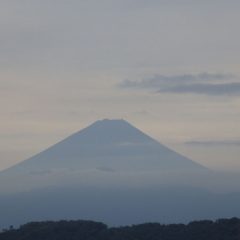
(110, 131)
(111, 122)
(108, 144)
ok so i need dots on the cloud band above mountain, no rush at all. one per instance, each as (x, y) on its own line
(203, 83)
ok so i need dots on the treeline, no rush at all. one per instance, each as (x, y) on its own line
(222, 229)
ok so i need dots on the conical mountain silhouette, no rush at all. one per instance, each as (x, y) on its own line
(114, 173)
(111, 145)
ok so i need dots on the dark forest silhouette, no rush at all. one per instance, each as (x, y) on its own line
(222, 229)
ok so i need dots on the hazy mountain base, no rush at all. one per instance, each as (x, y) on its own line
(222, 229)
(119, 198)
(105, 177)
(119, 206)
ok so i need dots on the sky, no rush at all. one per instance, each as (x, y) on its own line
(171, 68)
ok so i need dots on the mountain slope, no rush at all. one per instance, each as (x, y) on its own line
(108, 144)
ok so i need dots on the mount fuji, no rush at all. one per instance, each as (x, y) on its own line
(111, 172)
(106, 149)
(107, 144)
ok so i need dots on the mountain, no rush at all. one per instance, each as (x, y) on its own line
(108, 144)
(113, 172)
(107, 150)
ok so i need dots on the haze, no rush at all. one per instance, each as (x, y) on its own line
(169, 67)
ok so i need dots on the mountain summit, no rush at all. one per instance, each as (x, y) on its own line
(113, 145)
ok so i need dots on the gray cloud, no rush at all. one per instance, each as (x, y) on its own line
(214, 143)
(232, 88)
(202, 83)
(158, 80)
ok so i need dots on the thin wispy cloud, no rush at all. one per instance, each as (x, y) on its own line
(216, 143)
(159, 80)
(231, 89)
(202, 83)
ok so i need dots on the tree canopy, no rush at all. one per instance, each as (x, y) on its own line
(222, 229)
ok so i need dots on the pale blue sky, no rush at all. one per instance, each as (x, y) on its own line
(63, 65)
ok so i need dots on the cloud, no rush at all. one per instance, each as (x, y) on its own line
(232, 88)
(211, 143)
(159, 80)
(202, 83)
